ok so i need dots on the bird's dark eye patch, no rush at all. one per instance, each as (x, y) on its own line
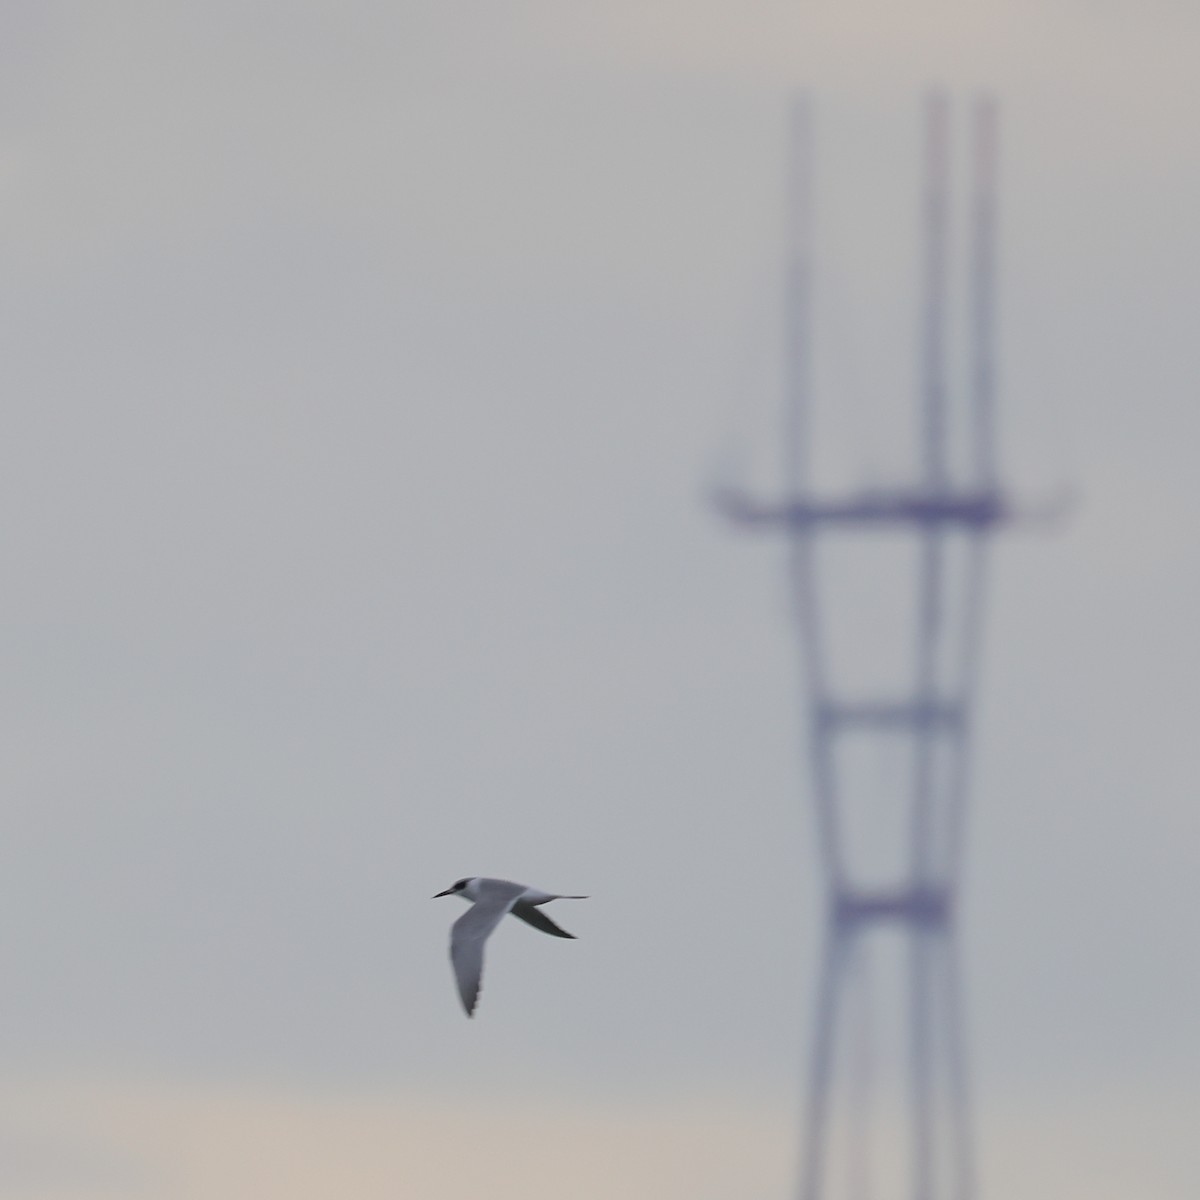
(462, 883)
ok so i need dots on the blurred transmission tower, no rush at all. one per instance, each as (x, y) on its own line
(944, 517)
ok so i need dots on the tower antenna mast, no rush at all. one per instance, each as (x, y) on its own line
(950, 506)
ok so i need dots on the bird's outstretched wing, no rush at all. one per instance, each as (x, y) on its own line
(467, 936)
(538, 919)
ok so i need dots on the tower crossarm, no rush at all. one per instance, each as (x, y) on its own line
(906, 714)
(977, 509)
(920, 906)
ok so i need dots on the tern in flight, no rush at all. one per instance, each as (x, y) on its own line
(491, 899)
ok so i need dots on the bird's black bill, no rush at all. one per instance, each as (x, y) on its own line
(447, 892)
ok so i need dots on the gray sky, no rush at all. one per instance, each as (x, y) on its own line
(362, 364)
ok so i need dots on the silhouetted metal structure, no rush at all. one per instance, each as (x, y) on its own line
(947, 513)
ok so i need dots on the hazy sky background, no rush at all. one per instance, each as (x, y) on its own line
(362, 365)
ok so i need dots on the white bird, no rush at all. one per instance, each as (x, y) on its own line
(492, 898)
